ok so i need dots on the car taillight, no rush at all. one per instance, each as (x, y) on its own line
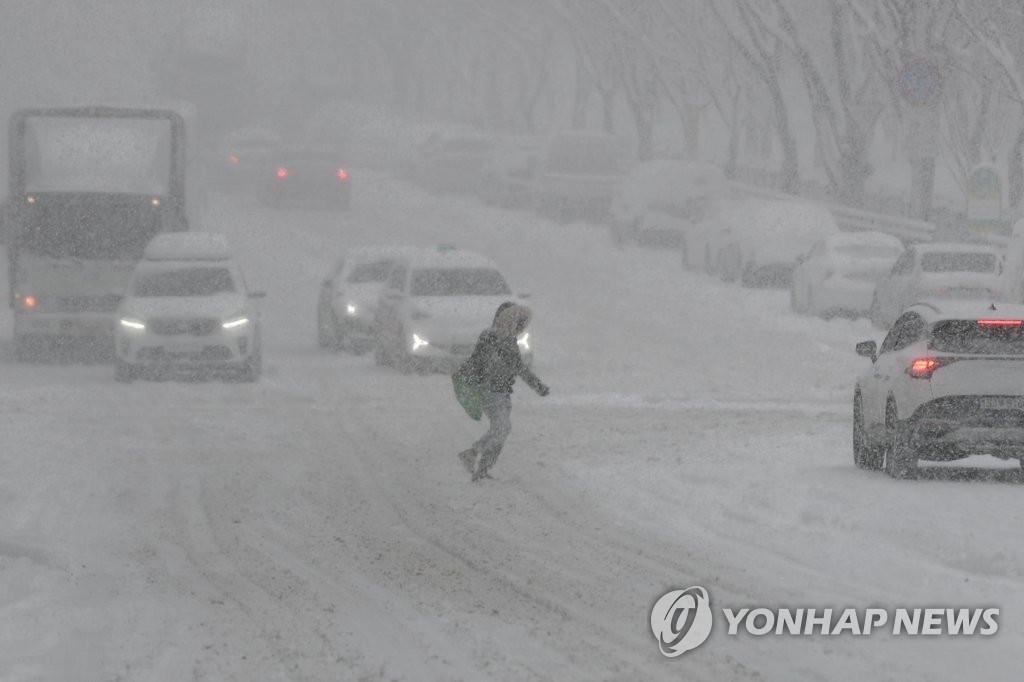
(999, 323)
(342, 175)
(25, 301)
(923, 368)
(282, 172)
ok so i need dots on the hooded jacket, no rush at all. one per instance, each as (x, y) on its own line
(496, 362)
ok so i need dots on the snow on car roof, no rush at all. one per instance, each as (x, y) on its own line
(188, 246)
(450, 258)
(961, 309)
(871, 238)
(371, 252)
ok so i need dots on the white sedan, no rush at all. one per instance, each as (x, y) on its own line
(838, 275)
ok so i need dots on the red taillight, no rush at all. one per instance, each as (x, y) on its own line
(923, 368)
(342, 175)
(999, 323)
(282, 172)
(27, 302)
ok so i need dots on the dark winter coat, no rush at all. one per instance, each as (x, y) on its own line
(496, 362)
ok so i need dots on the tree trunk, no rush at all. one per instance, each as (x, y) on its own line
(1015, 172)
(584, 85)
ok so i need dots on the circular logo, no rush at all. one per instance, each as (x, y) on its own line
(681, 620)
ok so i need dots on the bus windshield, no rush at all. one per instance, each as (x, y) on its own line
(88, 226)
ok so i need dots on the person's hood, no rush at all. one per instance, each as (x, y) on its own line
(512, 320)
(219, 306)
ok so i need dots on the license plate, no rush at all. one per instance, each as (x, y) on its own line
(1001, 403)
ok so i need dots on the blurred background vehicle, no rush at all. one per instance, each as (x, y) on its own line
(760, 243)
(305, 176)
(578, 174)
(347, 303)
(839, 273)
(941, 271)
(451, 162)
(659, 202)
(243, 157)
(507, 177)
(433, 307)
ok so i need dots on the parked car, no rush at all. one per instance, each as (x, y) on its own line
(578, 174)
(947, 382)
(243, 157)
(507, 177)
(938, 270)
(307, 177)
(451, 162)
(434, 306)
(659, 202)
(187, 309)
(761, 242)
(839, 273)
(347, 303)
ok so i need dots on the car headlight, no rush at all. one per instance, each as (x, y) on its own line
(418, 342)
(235, 322)
(133, 323)
(351, 309)
(524, 341)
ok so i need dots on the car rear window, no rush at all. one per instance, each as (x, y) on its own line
(958, 262)
(458, 282)
(365, 273)
(970, 336)
(184, 282)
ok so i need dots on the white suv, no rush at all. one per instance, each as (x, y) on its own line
(947, 382)
(433, 307)
(187, 309)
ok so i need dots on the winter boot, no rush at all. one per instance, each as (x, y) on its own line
(468, 459)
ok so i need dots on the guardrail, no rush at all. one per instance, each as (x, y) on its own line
(849, 219)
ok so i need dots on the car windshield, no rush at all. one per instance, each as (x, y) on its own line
(365, 273)
(958, 262)
(194, 281)
(972, 336)
(868, 251)
(458, 282)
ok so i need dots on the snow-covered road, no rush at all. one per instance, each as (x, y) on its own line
(317, 526)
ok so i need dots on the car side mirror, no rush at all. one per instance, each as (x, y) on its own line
(868, 349)
(257, 294)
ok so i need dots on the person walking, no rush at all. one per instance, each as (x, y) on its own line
(493, 366)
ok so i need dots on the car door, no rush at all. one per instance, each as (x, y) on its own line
(889, 369)
(387, 319)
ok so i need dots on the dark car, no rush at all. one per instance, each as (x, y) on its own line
(307, 177)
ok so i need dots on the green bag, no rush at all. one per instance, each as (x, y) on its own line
(468, 396)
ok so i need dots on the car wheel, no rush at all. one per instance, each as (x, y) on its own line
(900, 458)
(124, 372)
(253, 368)
(865, 456)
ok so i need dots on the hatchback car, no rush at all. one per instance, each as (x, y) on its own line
(947, 382)
(434, 306)
(307, 177)
(348, 298)
(187, 310)
(936, 271)
(839, 273)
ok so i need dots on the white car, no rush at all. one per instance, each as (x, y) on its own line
(947, 382)
(187, 309)
(348, 298)
(938, 270)
(659, 202)
(839, 273)
(763, 241)
(434, 306)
